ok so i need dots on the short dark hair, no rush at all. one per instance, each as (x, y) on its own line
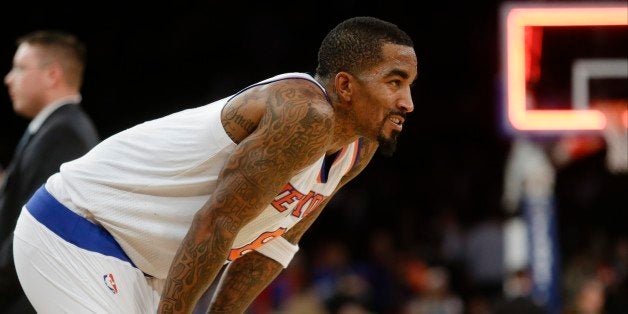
(62, 47)
(356, 44)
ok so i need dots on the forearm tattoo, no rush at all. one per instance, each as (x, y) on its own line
(244, 279)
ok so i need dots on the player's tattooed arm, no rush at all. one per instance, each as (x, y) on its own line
(244, 279)
(242, 114)
(367, 150)
(293, 133)
(249, 275)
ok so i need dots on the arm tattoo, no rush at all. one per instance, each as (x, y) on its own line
(293, 133)
(241, 116)
(244, 279)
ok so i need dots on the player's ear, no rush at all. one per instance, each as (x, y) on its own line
(343, 82)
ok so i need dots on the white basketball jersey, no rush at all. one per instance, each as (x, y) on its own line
(145, 184)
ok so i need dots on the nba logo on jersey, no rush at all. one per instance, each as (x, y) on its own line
(110, 283)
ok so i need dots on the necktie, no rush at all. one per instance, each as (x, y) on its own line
(21, 145)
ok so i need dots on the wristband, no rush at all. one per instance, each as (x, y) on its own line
(279, 249)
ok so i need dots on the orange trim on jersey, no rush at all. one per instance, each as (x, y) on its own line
(336, 160)
(342, 154)
(259, 241)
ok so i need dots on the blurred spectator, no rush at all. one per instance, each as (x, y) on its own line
(382, 272)
(585, 285)
(306, 302)
(330, 264)
(518, 285)
(517, 293)
(44, 86)
(484, 258)
(436, 297)
(352, 296)
(590, 297)
(617, 280)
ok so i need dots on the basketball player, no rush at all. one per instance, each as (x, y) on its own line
(146, 220)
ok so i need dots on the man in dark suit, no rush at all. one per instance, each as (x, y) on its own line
(44, 86)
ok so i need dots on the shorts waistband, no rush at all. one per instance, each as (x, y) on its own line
(72, 227)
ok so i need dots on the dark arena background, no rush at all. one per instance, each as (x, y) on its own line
(446, 225)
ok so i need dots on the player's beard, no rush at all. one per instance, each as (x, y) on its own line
(387, 145)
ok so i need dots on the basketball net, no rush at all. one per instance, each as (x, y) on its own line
(614, 137)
